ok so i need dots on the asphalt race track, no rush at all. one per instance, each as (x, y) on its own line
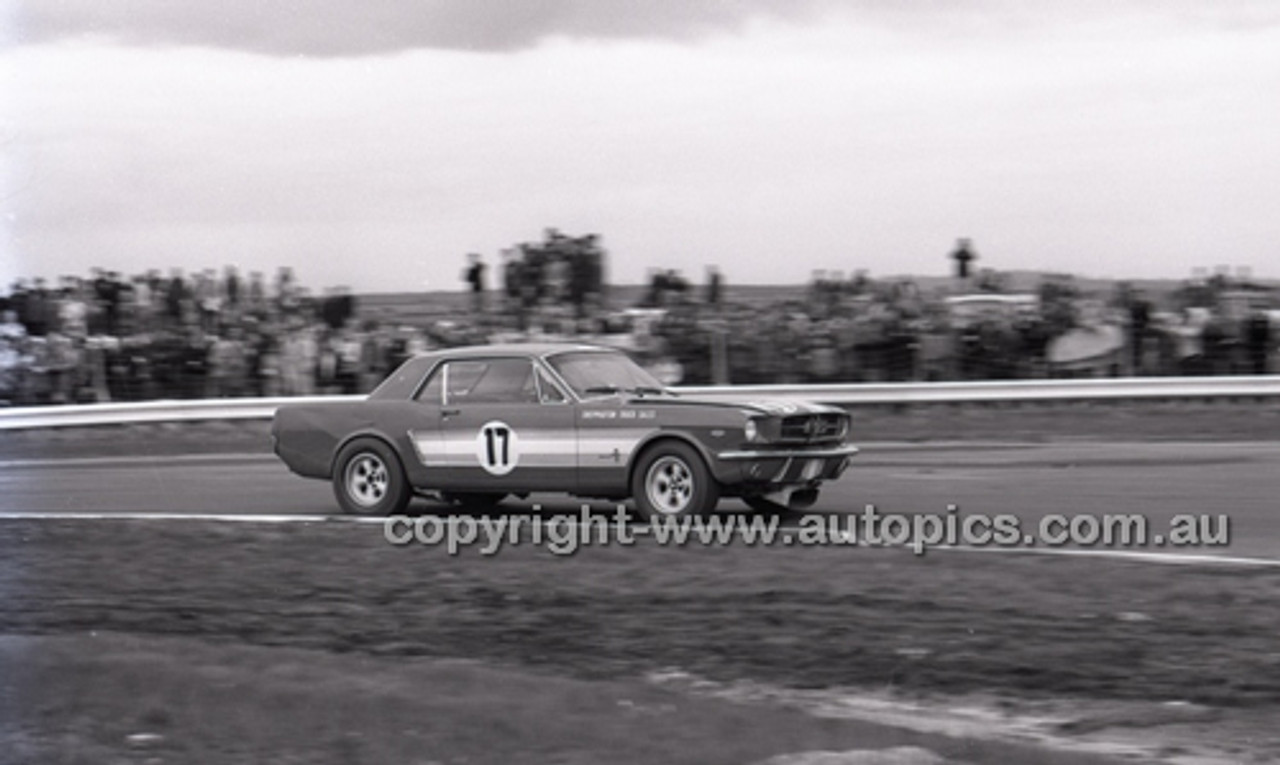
(1158, 480)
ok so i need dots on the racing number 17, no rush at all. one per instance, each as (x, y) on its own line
(497, 444)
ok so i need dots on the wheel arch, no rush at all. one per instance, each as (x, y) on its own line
(661, 437)
(368, 433)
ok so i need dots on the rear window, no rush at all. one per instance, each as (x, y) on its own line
(401, 383)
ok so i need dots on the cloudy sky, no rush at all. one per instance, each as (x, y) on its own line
(374, 143)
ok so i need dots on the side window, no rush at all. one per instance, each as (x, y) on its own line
(548, 391)
(432, 391)
(491, 381)
(461, 377)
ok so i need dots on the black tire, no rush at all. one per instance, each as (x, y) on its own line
(369, 480)
(473, 500)
(672, 481)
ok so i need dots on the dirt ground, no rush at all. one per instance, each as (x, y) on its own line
(1180, 660)
(113, 698)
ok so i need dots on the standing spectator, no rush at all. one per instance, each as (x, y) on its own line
(288, 300)
(73, 312)
(40, 310)
(228, 364)
(416, 342)
(107, 289)
(963, 255)
(10, 369)
(143, 306)
(257, 293)
(12, 337)
(1139, 322)
(18, 303)
(510, 275)
(579, 285)
(327, 361)
(1214, 341)
(208, 300)
(349, 360)
(219, 363)
(195, 362)
(337, 308)
(62, 361)
(714, 286)
(1188, 349)
(10, 329)
(105, 364)
(474, 276)
(1258, 341)
(514, 277)
(299, 360)
(174, 297)
(231, 287)
(269, 382)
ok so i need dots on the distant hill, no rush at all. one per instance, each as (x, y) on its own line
(411, 307)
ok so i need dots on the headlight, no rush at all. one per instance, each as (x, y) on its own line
(751, 430)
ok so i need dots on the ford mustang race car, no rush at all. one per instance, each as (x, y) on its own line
(473, 425)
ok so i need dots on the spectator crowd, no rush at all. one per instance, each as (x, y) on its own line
(861, 330)
(108, 337)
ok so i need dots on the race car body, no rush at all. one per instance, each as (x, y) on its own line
(476, 424)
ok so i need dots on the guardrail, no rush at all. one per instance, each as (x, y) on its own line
(1120, 388)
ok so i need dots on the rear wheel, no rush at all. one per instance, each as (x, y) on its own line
(368, 479)
(671, 480)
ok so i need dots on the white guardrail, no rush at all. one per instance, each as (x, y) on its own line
(19, 418)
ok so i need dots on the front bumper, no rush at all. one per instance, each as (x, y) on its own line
(766, 468)
(840, 451)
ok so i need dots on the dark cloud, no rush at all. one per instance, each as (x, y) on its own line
(365, 27)
(372, 27)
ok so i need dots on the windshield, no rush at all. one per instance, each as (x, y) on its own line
(599, 373)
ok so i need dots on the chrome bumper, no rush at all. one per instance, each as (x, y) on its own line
(840, 451)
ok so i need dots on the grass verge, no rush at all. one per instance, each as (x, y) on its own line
(1033, 629)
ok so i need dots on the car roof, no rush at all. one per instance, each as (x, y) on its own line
(538, 350)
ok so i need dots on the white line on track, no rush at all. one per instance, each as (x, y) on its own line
(1165, 558)
(219, 517)
(155, 460)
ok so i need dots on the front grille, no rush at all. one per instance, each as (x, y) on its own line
(812, 428)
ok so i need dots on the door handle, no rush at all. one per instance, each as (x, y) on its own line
(449, 412)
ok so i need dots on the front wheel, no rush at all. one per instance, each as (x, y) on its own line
(671, 480)
(368, 479)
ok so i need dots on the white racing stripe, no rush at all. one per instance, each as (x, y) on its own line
(538, 448)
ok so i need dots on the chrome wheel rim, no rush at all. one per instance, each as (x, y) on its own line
(669, 485)
(367, 479)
